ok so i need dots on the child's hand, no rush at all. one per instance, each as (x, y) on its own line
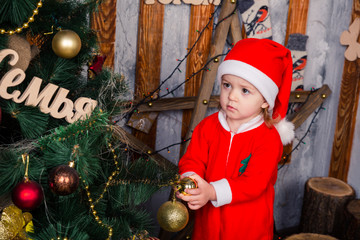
(199, 196)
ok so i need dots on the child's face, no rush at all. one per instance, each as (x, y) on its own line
(240, 100)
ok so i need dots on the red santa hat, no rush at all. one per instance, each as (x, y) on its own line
(268, 66)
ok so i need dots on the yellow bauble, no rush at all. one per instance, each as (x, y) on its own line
(187, 183)
(66, 44)
(172, 216)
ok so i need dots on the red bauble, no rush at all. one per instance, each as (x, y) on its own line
(97, 64)
(63, 180)
(27, 195)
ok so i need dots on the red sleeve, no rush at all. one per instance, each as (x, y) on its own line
(196, 156)
(261, 171)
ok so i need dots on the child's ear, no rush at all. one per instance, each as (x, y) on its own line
(265, 105)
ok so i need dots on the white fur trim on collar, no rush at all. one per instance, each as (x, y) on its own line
(286, 131)
(253, 123)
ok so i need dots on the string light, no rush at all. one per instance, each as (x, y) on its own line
(286, 157)
(26, 24)
(158, 89)
(168, 147)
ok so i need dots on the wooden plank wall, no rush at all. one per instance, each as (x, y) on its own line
(198, 19)
(346, 116)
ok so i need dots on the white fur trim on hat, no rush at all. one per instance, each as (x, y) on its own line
(261, 81)
(285, 129)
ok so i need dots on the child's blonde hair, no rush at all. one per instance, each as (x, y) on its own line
(269, 121)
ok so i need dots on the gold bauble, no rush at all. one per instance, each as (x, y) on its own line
(172, 216)
(187, 183)
(14, 223)
(66, 44)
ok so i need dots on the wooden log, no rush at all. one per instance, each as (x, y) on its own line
(310, 236)
(352, 223)
(325, 199)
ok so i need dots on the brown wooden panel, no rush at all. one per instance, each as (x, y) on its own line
(148, 61)
(346, 116)
(104, 22)
(196, 60)
(297, 17)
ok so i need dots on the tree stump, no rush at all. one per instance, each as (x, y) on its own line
(310, 236)
(352, 215)
(325, 199)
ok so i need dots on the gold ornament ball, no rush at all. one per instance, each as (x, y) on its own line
(172, 216)
(66, 44)
(187, 183)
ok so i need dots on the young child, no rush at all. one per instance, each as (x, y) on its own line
(233, 154)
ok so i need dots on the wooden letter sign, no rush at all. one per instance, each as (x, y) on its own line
(33, 97)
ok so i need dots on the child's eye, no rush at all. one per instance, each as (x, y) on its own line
(244, 90)
(226, 85)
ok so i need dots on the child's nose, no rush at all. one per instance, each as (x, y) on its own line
(233, 95)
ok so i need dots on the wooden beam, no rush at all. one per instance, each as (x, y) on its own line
(149, 46)
(181, 103)
(314, 101)
(346, 116)
(208, 79)
(235, 28)
(103, 21)
(199, 17)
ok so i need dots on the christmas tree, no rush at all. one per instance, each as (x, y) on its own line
(61, 159)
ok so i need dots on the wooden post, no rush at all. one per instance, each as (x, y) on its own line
(199, 17)
(150, 35)
(104, 22)
(296, 23)
(297, 17)
(325, 199)
(346, 116)
(235, 28)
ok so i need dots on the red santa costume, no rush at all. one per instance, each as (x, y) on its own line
(242, 166)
